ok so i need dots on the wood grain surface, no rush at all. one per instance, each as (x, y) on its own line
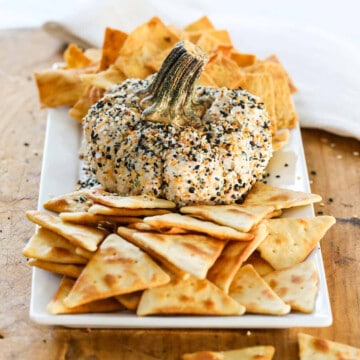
(334, 169)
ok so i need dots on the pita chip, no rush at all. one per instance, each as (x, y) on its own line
(129, 202)
(188, 296)
(112, 211)
(315, 348)
(79, 235)
(250, 290)
(239, 217)
(71, 270)
(201, 24)
(280, 139)
(70, 202)
(279, 198)
(143, 43)
(49, 246)
(200, 226)
(56, 305)
(193, 253)
(291, 240)
(130, 301)
(260, 352)
(233, 256)
(118, 267)
(128, 234)
(86, 218)
(261, 266)
(297, 285)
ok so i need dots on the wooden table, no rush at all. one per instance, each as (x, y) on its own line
(334, 169)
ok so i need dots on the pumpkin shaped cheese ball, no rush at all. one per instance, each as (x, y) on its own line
(167, 137)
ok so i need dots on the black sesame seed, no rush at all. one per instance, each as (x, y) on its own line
(191, 190)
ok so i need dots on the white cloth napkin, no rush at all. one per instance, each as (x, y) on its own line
(324, 66)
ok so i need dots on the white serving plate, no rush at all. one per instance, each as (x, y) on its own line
(60, 172)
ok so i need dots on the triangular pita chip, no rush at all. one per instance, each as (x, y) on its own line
(280, 139)
(49, 246)
(279, 198)
(193, 253)
(260, 352)
(70, 270)
(291, 240)
(143, 43)
(79, 235)
(56, 305)
(250, 290)
(130, 301)
(193, 224)
(86, 218)
(275, 59)
(128, 234)
(315, 348)
(99, 209)
(233, 256)
(112, 43)
(188, 296)
(239, 217)
(201, 24)
(286, 116)
(261, 266)
(129, 202)
(74, 201)
(261, 84)
(118, 267)
(297, 285)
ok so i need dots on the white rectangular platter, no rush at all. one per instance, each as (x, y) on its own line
(60, 172)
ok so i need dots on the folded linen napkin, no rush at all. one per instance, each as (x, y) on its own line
(323, 66)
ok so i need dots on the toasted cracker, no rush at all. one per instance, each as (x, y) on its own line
(143, 43)
(193, 253)
(75, 58)
(250, 290)
(70, 270)
(188, 296)
(260, 352)
(280, 139)
(239, 217)
(86, 218)
(59, 87)
(243, 59)
(192, 224)
(201, 24)
(70, 202)
(56, 305)
(261, 84)
(112, 211)
(49, 246)
(128, 234)
(130, 301)
(79, 235)
(129, 202)
(233, 256)
(118, 267)
(104, 79)
(285, 113)
(316, 348)
(279, 198)
(224, 71)
(261, 266)
(297, 285)
(113, 41)
(291, 240)
(275, 59)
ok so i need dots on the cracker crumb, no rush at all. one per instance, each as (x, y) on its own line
(355, 153)
(248, 333)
